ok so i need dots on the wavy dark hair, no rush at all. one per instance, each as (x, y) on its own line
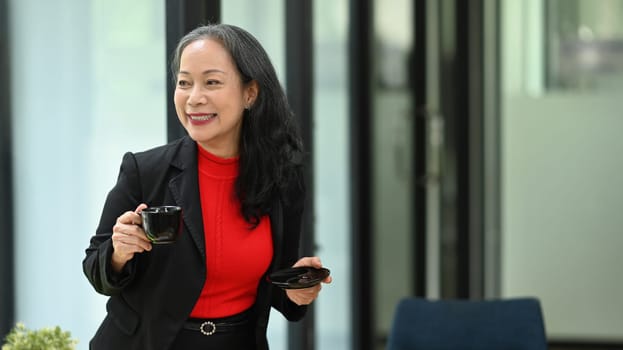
(271, 150)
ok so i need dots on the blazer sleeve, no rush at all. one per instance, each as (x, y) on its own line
(293, 229)
(290, 310)
(124, 196)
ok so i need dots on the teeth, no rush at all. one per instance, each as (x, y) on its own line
(202, 117)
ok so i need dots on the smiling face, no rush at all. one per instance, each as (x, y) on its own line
(210, 97)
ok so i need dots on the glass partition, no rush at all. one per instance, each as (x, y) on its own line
(252, 15)
(332, 172)
(392, 160)
(584, 41)
(88, 84)
(561, 192)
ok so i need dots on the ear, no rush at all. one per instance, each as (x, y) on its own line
(251, 91)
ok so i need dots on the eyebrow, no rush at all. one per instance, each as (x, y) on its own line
(204, 72)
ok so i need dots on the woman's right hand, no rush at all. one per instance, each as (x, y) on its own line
(128, 238)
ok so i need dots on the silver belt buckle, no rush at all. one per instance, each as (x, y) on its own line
(211, 328)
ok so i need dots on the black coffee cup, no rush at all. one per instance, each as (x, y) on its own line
(162, 224)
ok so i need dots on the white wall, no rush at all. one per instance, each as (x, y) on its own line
(562, 222)
(562, 228)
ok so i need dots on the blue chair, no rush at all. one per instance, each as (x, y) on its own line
(507, 324)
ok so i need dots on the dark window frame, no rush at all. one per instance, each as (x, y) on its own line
(418, 81)
(7, 262)
(360, 109)
(299, 88)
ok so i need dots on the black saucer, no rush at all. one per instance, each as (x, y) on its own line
(298, 277)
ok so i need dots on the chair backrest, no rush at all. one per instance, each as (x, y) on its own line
(508, 324)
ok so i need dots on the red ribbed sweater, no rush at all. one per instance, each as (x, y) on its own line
(236, 256)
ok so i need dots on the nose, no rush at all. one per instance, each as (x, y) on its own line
(196, 97)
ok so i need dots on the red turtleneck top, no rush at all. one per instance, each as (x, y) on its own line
(236, 256)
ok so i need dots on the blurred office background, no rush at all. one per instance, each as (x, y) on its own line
(459, 149)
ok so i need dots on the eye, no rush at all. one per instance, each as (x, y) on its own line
(183, 83)
(212, 82)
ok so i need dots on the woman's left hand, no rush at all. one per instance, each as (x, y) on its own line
(305, 296)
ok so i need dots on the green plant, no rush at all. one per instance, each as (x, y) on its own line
(21, 338)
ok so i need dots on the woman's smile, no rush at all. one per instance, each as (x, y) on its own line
(201, 118)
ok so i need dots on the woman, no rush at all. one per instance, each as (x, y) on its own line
(238, 178)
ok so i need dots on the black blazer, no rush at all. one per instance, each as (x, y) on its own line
(156, 291)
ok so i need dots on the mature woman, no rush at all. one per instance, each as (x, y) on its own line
(238, 178)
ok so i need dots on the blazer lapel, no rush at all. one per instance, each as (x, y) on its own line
(185, 190)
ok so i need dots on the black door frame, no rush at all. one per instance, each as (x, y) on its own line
(465, 94)
(7, 262)
(418, 70)
(360, 122)
(299, 89)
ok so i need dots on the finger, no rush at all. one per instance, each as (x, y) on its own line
(138, 232)
(328, 280)
(129, 218)
(313, 261)
(122, 219)
(121, 248)
(310, 291)
(127, 248)
(140, 208)
(126, 229)
(297, 297)
(304, 296)
(144, 245)
(139, 241)
(135, 217)
(132, 234)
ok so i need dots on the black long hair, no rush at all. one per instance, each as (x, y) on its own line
(271, 151)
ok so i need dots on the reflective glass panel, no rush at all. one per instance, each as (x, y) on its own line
(88, 84)
(561, 193)
(392, 155)
(332, 172)
(584, 41)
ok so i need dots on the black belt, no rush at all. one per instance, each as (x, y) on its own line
(209, 327)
